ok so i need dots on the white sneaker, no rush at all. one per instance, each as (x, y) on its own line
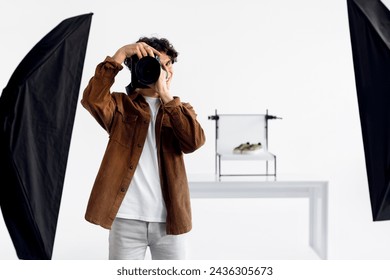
(239, 149)
(252, 149)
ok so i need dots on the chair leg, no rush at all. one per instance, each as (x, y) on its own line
(275, 167)
(219, 167)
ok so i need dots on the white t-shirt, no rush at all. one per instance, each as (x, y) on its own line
(144, 200)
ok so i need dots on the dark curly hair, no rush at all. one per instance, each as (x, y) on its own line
(160, 44)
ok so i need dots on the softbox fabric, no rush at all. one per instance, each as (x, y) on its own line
(369, 22)
(37, 111)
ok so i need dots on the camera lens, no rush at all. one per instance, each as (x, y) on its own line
(148, 70)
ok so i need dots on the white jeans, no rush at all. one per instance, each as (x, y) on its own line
(129, 239)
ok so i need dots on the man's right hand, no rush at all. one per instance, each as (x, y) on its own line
(140, 49)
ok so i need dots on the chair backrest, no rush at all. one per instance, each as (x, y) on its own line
(236, 129)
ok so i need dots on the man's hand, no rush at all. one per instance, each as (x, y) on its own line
(140, 49)
(162, 85)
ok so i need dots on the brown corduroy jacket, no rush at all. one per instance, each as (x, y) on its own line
(126, 119)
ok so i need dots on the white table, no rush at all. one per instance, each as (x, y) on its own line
(315, 191)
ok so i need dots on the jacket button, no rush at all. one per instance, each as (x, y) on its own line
(139, 146)
(123, 189)
(131, 167)
(146, 122)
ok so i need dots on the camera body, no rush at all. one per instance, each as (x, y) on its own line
(146, 70)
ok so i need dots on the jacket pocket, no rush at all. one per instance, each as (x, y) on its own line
(124, 128)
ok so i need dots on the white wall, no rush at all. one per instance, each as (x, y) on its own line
(291, 57)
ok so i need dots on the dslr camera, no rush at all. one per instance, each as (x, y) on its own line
(144, 71)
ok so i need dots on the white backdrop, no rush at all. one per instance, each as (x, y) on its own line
(237, 56)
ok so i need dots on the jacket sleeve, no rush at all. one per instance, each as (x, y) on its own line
(97, 98)
(185, 126)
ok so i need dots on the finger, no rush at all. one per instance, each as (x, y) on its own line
(169, 73)
(169, 77)
(163, 74)
(164, 67)
(146, 49)
(138, 53)
(156, 52)
(166, 71)
(142, 49)
(151, 51)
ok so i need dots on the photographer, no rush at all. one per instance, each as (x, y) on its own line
(141, 191)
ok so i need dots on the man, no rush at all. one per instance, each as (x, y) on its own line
(141, 190)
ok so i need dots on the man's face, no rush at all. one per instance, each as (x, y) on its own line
(166, 64)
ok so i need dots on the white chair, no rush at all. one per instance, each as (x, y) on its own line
(231, 130)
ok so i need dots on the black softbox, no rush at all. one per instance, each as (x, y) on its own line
(369, 22)
(37, 111)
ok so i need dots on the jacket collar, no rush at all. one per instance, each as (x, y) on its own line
(134, 95)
